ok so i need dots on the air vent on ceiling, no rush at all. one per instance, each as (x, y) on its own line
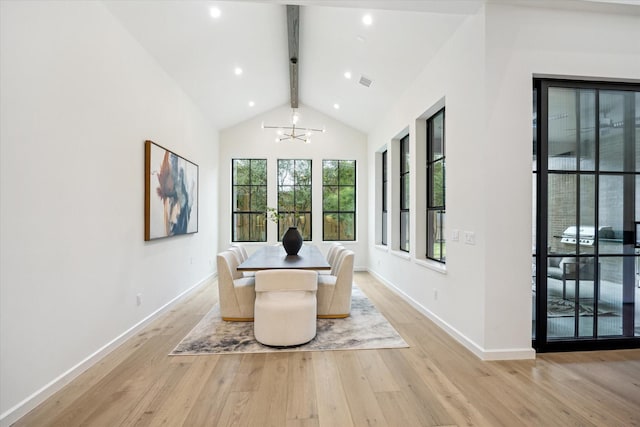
(364, 81)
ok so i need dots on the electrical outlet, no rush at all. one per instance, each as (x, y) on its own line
(435, 294)
(455, 235)
(139, 300)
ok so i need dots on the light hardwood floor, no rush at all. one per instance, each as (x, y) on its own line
(435, 382)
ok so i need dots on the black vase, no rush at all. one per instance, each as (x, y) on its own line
(292, 241)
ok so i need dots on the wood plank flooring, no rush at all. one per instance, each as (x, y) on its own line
(435, 382)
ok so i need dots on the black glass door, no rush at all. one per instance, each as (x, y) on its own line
(587, 181)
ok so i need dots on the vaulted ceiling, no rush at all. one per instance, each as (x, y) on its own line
(201, 52)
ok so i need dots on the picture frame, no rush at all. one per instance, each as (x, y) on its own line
(171, 185)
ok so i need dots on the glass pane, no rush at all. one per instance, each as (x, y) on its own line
(329, 172)
(586, 230)
(285, 199)
(304, 225)
(259, 198)
(442, 235)
(302, 221)
(637, 135)
(610, 296)
(533, 295)
(241, 227)
(303, 199)
(612, 131)
(432, 235)
(330, 227)
(637, 202)
(384, 228)
(259, 172)
(384, 196)
(384, 166)
(329, 198)
(347, 198)
(241, 171)
(562, 119)
(535, 129)
(437, 180)
(258, 228)
(347, 172)
(404, 201)
(435, 235)
(437, 136)
(560, 311)
(637, 294)
(587, 130)
(303, 172)
(562, 213)
(404, 154)
(583, 286)
(242, 197)
(534, 211)
(285, 172)
(404, 231)
(610, 214)
(347, 223)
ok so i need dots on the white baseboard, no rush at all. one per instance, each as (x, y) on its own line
(481, 353)
(21, 409)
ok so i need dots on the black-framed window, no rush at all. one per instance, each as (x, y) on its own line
(249, 189)
(404, 194)
(383, 239)
(436, 245)
(339, 200)
(294, 196)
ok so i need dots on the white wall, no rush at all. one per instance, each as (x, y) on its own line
(454, 75)
(339, 142)
(521, 43)
(485, 73)
(79, 97)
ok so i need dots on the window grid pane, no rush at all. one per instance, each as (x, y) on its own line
(338, 200)
(249, 189)
(436, 242)
(404, 194)
(294, 196)
(383, 239)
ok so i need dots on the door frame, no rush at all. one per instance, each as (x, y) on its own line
(540, 342)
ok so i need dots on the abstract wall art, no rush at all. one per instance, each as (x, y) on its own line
(171, 193)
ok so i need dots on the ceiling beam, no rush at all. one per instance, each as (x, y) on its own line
(293, 22)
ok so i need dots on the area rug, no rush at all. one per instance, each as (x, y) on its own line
(366, 328)
(559, 307)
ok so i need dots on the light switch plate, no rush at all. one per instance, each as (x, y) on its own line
(470, 237)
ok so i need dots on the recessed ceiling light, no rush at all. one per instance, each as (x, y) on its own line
(347, 74)
(367, 20)
(336, 106)
(215, 12)
(238, 71)
(251, 103)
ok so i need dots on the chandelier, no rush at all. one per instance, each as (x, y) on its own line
(293, 132)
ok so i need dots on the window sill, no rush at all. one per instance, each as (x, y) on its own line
(401, 254)
(383, 248)
(432, 265)
(342, 242)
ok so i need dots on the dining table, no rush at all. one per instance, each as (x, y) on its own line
(274, 257)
